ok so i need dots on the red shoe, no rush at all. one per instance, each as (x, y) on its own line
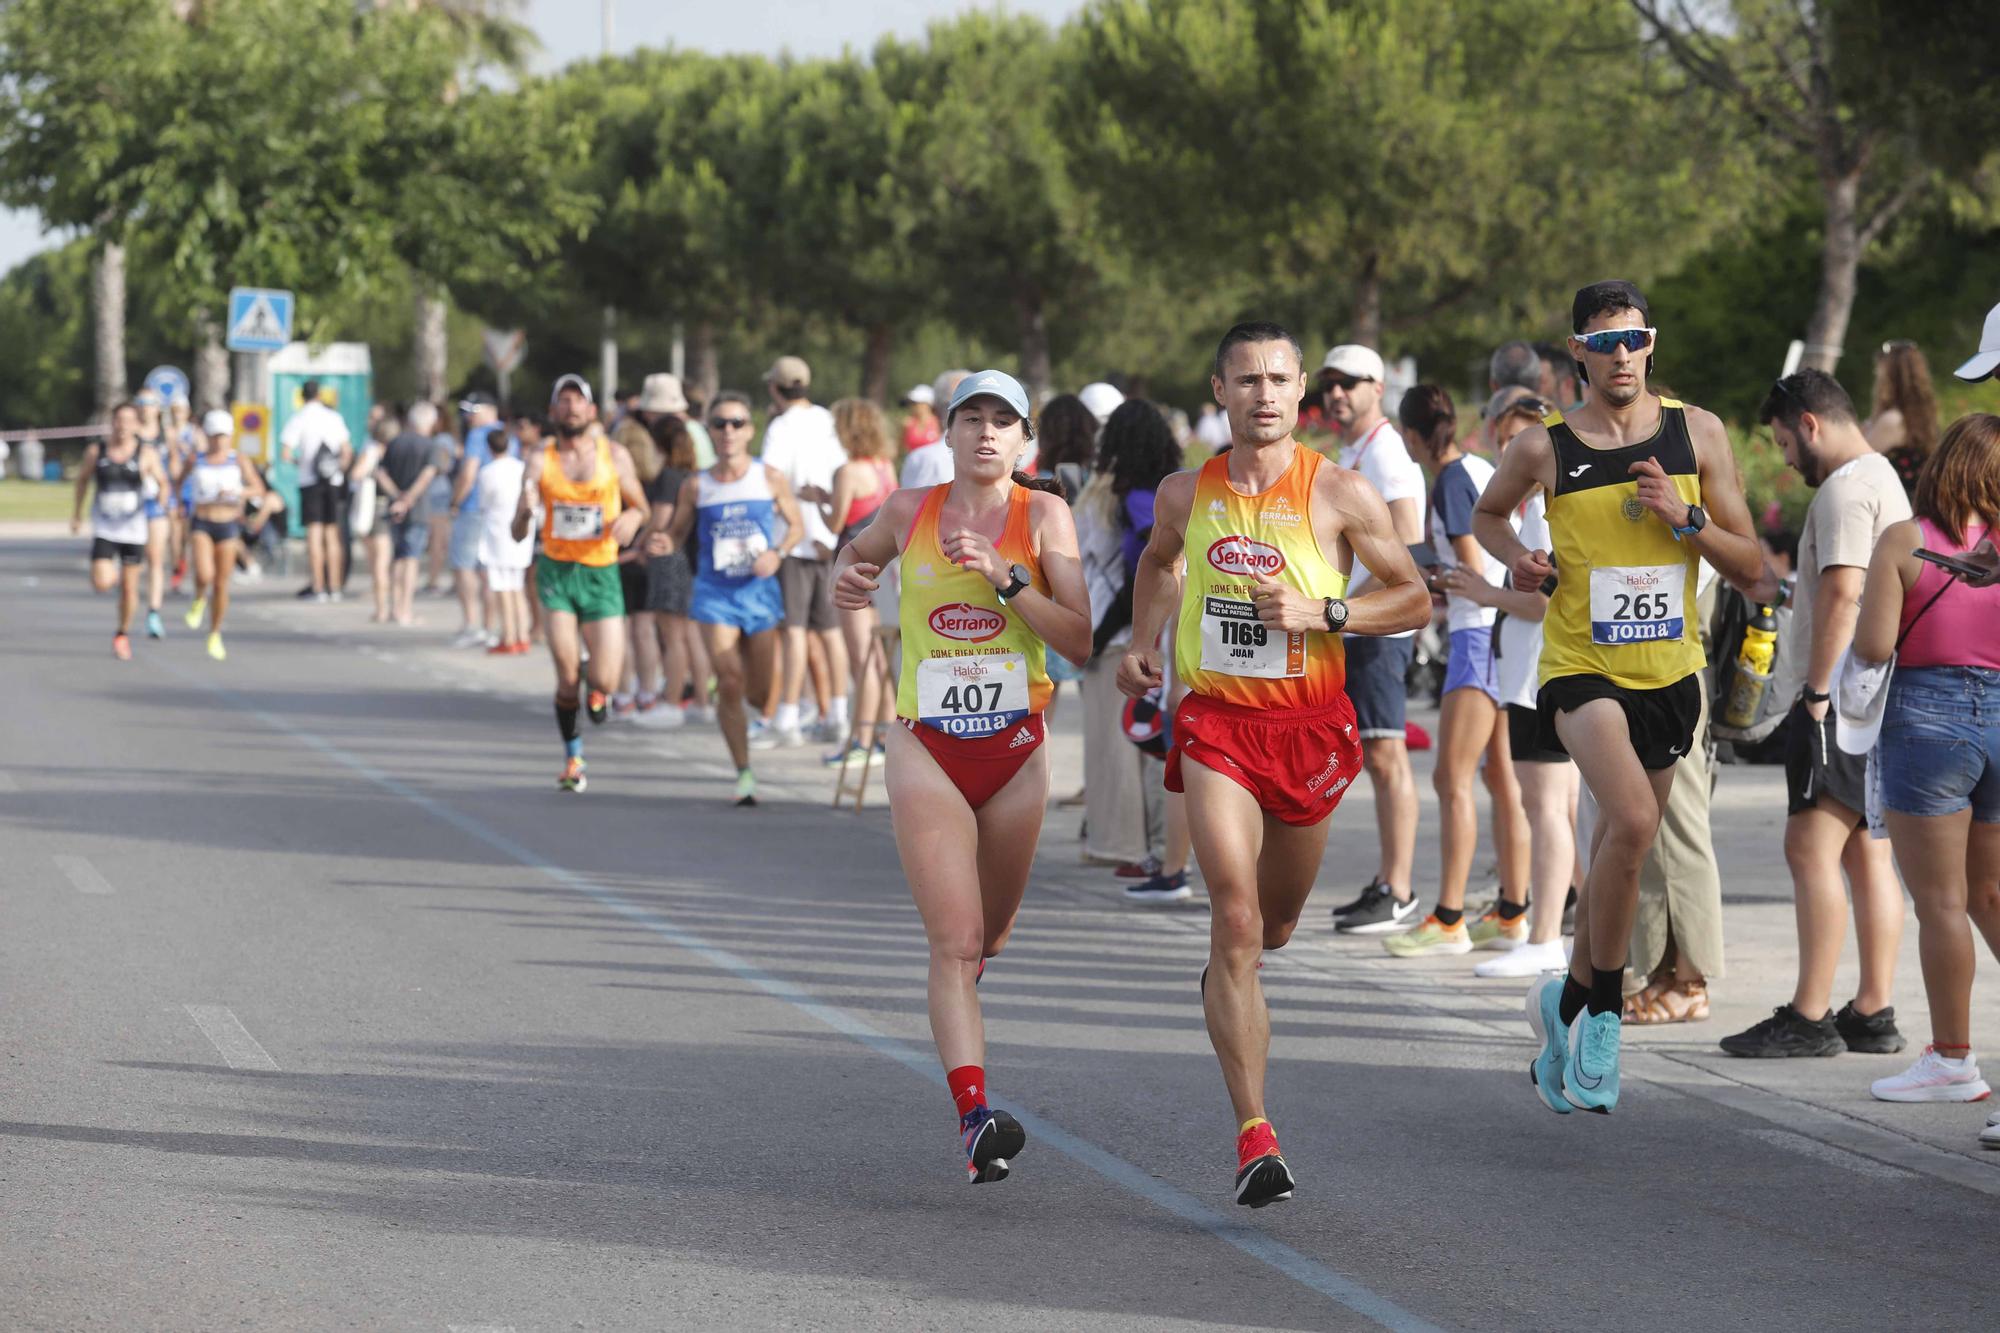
(1136, 870)
(1261, 1174)
(598, 707)
(522, 647)
(121, 647)
(499, 650)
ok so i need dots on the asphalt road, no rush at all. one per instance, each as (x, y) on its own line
(321, 1008)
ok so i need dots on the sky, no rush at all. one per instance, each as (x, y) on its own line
(572, 29)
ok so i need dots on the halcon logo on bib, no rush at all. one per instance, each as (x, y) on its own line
(967, 623)
(1241, 556)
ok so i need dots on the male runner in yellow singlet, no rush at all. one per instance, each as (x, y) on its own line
(1264, 741)
(1641, 489)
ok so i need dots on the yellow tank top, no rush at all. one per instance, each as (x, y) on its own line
(1221, 649)
(577, 515)
(971, 666)
(1625, 588)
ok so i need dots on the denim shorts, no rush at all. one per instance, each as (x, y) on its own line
(1471, 662)
(1375, 671)
(1940, 746)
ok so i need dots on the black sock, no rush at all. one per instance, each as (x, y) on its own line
(1607, 990)
(1449, 916)
(1508, 911)
(1569, 901)
(1573, 997)
(566, 722)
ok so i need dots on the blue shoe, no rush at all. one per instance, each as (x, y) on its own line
(154, 629)
(991, 1138)
(1590, 1078)
(1545, 1017)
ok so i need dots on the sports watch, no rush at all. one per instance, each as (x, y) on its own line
(1013, 589)
(1336, 615)
(1697, 519)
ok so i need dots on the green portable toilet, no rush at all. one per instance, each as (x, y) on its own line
(346, 378)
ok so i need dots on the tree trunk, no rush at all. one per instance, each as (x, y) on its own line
(1368, 304)
(875, 363)
(211, 364)
(705, 373)
(429, 346)
(107, 312)
(1839, 262)
(1036, 375)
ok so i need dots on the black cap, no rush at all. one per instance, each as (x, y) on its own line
(1598, 297)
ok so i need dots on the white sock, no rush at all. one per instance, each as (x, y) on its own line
(788, 717)
(836, 710)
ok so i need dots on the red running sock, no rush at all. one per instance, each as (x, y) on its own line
(968, 1087)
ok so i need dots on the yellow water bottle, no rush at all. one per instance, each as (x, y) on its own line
(1753, 669)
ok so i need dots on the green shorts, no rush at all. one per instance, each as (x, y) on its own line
(588, 592)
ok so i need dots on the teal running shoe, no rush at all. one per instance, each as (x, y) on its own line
(1590, 1078)
(1545, 1017)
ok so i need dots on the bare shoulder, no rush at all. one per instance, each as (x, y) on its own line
(1533, 444)
(1705, 428)
(1901, 537)
(776, 479)
(1045, 507)
(1174, 498)
(1347, 490)
(901, 507)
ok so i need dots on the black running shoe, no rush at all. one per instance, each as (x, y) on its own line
(598, 706)
(1382, 914)
(991, 1139)
(1786, 1033)
(1869, 1034)
(1367, 895)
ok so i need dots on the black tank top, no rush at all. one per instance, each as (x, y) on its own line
(113, 475)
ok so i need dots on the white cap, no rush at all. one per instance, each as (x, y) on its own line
(1860, 696)
(1987, 359)
(922, 393)
(218, 422)
(1356, 362)
(1102, 400)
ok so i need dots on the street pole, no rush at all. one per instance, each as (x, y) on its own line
(607, 357)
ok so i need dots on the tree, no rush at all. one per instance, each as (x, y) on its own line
(1848, 89)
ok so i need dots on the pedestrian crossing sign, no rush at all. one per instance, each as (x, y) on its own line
(260, 319)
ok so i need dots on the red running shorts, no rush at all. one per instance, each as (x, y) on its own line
(980, 767)
(1297, 763)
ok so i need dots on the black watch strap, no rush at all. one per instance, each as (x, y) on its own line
(1813, 696)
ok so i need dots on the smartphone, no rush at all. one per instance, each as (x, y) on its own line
(1425, 555)
(1951, 563)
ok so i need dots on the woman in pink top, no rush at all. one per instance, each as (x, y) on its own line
(859, 488)
(1938, 759)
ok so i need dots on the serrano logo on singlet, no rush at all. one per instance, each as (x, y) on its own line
(967, 623)
(1237, 554)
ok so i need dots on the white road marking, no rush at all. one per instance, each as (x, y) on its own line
(82, 874)
(30, 581)
(479, 1328)
(7, 782)
(1826, 1152)
(228, 1035)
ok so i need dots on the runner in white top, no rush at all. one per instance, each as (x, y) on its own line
(504, 559)
(121, 471)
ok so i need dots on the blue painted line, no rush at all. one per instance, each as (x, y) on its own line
(1301, 1268)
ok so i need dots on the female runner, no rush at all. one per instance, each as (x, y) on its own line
(217, 483)
(990, 581)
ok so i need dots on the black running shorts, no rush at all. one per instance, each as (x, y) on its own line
(1662, 720)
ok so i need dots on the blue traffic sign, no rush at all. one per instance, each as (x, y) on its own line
(170, 382)
(260, 320)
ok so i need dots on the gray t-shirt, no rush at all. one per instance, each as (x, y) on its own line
(1848, 513)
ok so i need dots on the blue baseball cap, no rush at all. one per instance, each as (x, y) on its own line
(990, 384)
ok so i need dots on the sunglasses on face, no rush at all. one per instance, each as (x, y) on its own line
(1606, 341)
(1344, 383)
(729, 423)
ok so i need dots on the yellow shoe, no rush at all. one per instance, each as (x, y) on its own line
(1433, 936)
(1492, 931)
(215, 649)
(195, 609)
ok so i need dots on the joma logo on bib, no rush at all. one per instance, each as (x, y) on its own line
(1239, 555)
(967, 623)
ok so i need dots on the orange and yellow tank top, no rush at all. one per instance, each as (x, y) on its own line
(1221, 649)
(577, 515)
(971, 666)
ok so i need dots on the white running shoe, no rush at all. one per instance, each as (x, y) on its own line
(701, 714)
(1526, 960)
(470, 637)
(775, 738)
(1989, 1137)
(663, 716)
(1934, 1079)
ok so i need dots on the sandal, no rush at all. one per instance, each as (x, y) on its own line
(1669, 1001)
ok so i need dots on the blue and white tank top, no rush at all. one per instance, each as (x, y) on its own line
(118, 508)
(735, 522)
(217, 482)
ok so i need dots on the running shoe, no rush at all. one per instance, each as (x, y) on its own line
(661, 716)
(1934, 1079)
(1145, 869)
(1527, 961)
(1261, 1174)
(870, 756)
(500, 650)
(215, 648)
(991, 1138)
(1432, 937)
(746, 788)
(1361, 900)
(121, 647)
(1493, 931)
(1785, 1034)
(701, 714)
(1382, 914)
(1160, 889)
(469, 637)
(308, 594)
(335, 595)
(775, 738)
(154, 629)
(1869, 1034)
(1545, 1071)
(1590, 1075)
(598, 706)
(193, 617)
(572, 778)
(623, 707)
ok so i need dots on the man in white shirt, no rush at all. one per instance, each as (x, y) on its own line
(800, 443)
(1213, 428)
(317, 443)
(1352, 379)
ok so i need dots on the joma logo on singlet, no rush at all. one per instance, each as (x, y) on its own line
(1239, 555)
(967, 623)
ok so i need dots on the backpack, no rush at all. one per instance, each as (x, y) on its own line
(1763, 740)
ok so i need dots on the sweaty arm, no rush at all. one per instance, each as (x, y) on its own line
(1398, 600)
(524, 508)
(1407, 516)
(1528, 461)
(1729, 541)
(1062, 616)
(788, 509)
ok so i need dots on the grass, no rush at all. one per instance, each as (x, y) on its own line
(34, 501)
